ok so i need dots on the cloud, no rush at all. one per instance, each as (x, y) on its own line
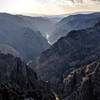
(48, 6)
(82, 5)
(81, 1)
(77, 3)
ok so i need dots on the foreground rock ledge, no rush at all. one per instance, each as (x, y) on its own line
(82, 83)
(19, 82)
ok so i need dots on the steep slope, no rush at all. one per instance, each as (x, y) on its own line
(82, 83)
(15, 32)
(73, 22)
(44, 24)
(19, 82)
(77, 48)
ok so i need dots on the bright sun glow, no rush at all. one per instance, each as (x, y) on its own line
(52, 7)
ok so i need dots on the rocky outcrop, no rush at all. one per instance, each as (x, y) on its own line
(82, 83)
(19, 82)
(78, 47)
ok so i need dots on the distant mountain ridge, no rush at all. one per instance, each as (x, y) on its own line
(44, 24)
(73, 22)
(21, 35)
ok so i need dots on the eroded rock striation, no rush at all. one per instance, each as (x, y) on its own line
(82, 83)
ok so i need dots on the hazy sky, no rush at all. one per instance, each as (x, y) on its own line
(48, 6)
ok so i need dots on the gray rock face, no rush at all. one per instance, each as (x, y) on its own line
(13, 71)
(83, 83)
(16, 32)
(73, 22)
(19, 82)
(77, 48)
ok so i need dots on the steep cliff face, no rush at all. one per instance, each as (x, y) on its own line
(77, 48)
(19, 82)
(82, 83)
(73, 22)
